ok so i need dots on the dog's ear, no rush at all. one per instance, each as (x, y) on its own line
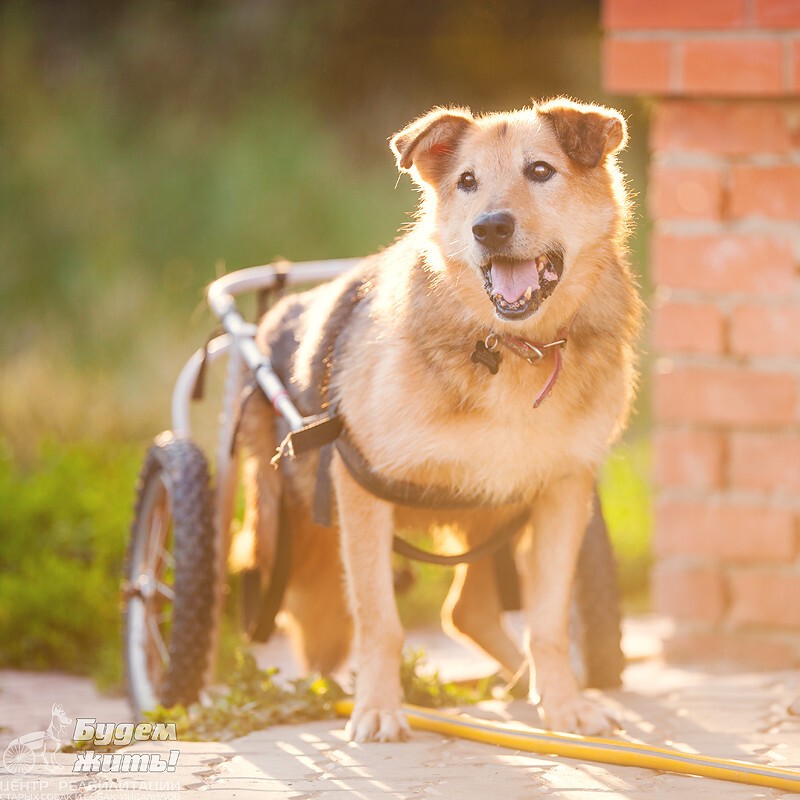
(428, 144)
(588, 133)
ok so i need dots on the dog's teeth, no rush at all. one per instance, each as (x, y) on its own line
(528, 292)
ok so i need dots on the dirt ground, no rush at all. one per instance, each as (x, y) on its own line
(731, 715)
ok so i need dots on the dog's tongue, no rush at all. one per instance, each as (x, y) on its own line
(510, 279)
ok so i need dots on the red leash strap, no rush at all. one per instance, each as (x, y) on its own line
(551, 381)
(533, 353)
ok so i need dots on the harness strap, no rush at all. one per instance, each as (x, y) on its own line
(262, 624)
(402, 492)
(494, 543)
(319, 430)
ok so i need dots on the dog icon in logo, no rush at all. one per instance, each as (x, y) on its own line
(20, 755)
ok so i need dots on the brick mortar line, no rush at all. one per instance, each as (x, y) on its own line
(688, 427)
(693, 159)
(725, 227)
(761, 365)
(727, 302)
(729, 497)
(689, 561)
(736, 630)
(713, 35)
(767, 502)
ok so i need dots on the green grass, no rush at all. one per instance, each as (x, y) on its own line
(64, 530)
(626, 497)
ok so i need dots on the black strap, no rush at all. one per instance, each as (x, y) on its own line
(498, 539)
(317, 432)
(404, 493)
(262, 624)
(199, 388)
(507, 579)
(322, 511)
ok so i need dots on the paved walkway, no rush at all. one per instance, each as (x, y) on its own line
(742, 716)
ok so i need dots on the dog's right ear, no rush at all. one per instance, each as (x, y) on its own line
(427, 145)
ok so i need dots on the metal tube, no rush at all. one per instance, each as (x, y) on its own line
(184, 386)
(221, 292)
(221, 298)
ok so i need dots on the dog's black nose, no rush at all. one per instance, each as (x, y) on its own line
(494, 229)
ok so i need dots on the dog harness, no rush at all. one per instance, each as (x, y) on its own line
(327, 429)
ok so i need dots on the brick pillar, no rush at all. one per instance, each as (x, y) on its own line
(724, 197)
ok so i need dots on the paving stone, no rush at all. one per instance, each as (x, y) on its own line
(743, 716)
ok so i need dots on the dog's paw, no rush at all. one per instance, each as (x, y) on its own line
(580, 715)
(377, 725)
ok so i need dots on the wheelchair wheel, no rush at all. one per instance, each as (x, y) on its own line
(596, 618)
(18, 758)
(170, 580)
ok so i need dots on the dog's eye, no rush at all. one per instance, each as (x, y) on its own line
(539, 171)
(468, 182)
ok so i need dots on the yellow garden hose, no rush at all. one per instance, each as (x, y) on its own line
(590, 748)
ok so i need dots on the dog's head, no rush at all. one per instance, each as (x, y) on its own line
(517, 200)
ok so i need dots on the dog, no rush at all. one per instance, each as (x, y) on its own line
(488, 356)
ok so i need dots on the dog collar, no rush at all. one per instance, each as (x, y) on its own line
(487, 352)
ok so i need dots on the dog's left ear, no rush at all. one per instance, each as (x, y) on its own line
(588, 133)
(429, 143)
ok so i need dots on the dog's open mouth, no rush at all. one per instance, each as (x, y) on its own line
(518, 288)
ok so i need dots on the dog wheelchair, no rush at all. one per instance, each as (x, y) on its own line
(176, 576)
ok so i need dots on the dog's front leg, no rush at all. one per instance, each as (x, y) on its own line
(366, 525)
(560, 515)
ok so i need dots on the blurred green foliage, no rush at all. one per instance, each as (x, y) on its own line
(63, 529)
(147, 146)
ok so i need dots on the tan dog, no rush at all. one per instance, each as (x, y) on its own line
(518, 245)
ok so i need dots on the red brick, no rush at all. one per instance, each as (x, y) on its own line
(772, 192)
(765, 597)
(732, 263)
(732, 67)
(688, 328)
(752, 649)
(765, 330)
(640, 66)
(777, 13)
(691, 459)
(725, 532)
(683, 14)
(733, 128)
(724, 396)
(765, 462)
(689, 592)
(675, 193)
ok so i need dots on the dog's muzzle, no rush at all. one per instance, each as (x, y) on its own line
(518, 287)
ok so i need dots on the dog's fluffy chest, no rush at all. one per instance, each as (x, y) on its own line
(490, 440)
